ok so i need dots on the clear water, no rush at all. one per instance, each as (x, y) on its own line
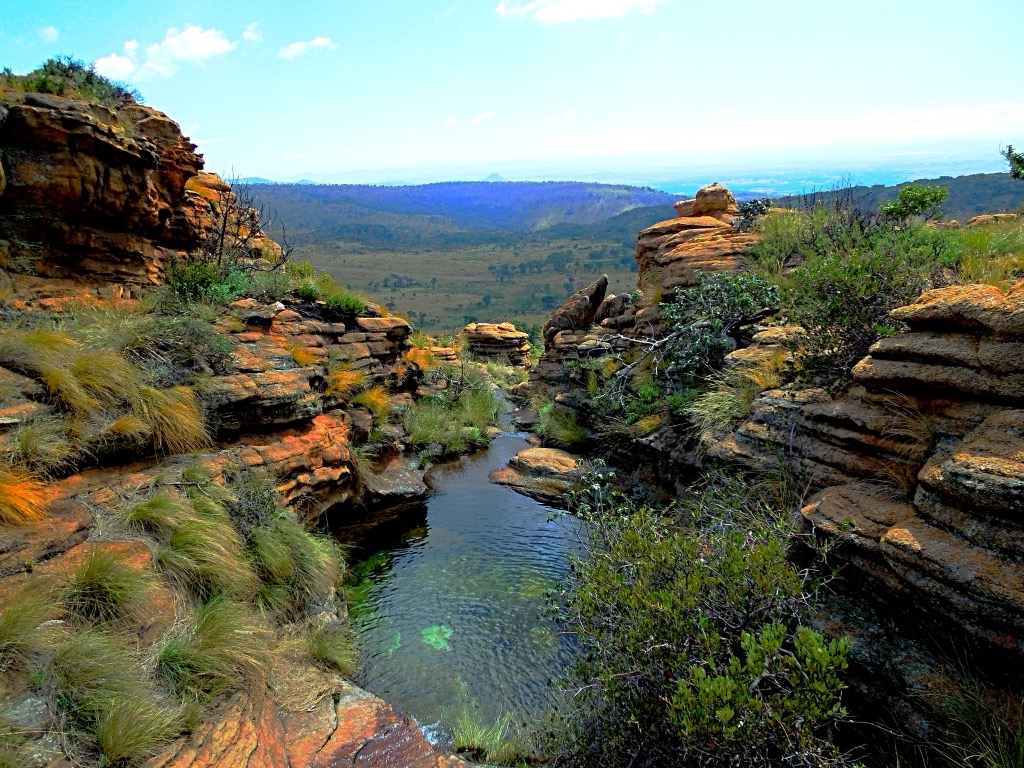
(452, 614)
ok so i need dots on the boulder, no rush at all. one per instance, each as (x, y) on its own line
(545, 474)
(578, 311)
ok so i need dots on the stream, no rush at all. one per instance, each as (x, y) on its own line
(451, 611)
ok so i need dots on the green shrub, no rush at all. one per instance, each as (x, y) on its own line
(693, 650)
(224, 648)
(203, 279)
(560, 426)
(345, 303)
(66, 76)
(783, 234)
(915, 200)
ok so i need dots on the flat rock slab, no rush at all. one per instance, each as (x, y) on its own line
(545, 474)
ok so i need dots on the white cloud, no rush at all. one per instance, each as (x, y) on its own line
(302, 47)
(49, 34)
(193, 45)
(410, 131)
(482, 117)
(565, 116)
(555, 11)
(115, 67)
(451, 122)
(252, 33)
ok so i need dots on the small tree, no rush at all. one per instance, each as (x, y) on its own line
(915, 200)
(1016, 161)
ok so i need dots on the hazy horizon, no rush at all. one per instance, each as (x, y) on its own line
(644, 91)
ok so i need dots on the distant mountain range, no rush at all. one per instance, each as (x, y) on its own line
(445, 213)
(968, 195)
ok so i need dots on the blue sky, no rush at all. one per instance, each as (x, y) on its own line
(377, 90)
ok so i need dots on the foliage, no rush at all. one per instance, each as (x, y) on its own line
(751, 212)
(916, 200)
(704, 322)
(67, 76)
(559, 425)
(221, 650)
(377, 400)
(174, 419)
(200, 279)
(693, 646)
(1015, 160)
(783, 234)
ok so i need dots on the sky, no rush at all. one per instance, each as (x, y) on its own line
(382, 91)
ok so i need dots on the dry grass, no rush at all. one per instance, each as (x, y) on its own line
(45, 444)
(303, 357)
(23, 498)
(343, 382)
(424, 359)
(377, 400)
(174, 418)
(731, 393)
(334, 645)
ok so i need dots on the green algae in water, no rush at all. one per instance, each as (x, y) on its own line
(395, 644)
(437, 637)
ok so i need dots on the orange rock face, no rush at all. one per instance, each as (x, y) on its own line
(498, 341)
(92, 191)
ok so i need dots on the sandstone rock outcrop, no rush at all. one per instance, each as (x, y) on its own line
(92, 190)
(498, 341)
(700, 239)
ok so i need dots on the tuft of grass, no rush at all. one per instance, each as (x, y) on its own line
(131, 729)
(156, 514)
(303, 357)
(496, 743)
(105, 588)
(984, 727)
(560, 426)
(207, 556)
(20, 618)
(423, 358)
(174, 418)
(106, 377)
(224, 649)
(105, 691)
(343, 382)
(376, 400)
(731, 394)
(45, 444)
(23, 498)
(334, 645)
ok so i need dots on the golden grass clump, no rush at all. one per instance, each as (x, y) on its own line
(423, 358)
(344, 382)
(731, 393)
(376, 400)
(174, 418)
(303, 357)
(23, 498)
(334, 645)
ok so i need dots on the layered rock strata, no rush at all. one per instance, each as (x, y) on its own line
(498, 341)
(94, 191)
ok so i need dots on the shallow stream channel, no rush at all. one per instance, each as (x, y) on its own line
(451, 600)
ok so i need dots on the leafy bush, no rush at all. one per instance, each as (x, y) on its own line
(66, 76)
(915, 200)
(705, 321)
(751, 211)
(693, 646)
(199, 279)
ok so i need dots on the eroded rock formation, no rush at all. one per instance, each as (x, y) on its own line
(498, 341)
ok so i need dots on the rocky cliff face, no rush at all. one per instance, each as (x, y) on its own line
(93, 191)
(93, 203)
